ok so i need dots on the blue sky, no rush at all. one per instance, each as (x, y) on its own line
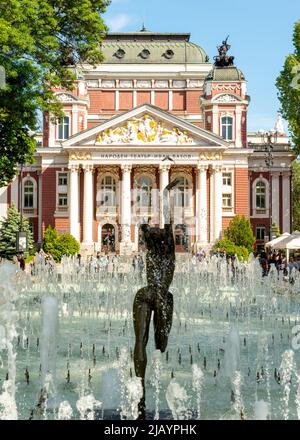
(260, 37)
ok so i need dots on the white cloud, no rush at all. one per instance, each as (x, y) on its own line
(118, 22)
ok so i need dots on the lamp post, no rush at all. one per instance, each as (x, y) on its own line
(269, 138)
(21, 238)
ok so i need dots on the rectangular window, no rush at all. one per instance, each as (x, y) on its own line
(227, 201)
(63, 128)
(62, 179)
(28, 200)
(62, 200)
(260, 201)
(227, 179)
(260, 232)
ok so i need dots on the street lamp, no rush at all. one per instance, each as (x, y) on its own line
(21, 236)
(269, 138)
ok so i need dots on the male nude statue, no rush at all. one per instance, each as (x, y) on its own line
(155, 297)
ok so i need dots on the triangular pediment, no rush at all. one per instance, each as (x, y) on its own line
(145, 125)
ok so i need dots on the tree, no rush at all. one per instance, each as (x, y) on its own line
(240, 232)
(288, 84)
(43, 42)
(58, 246)
(50, 238)
(8, 232)
(296, 195)
(275, 230)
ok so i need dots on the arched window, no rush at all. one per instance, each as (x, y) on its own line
(63, 128)
(144, 187)
(260, 195)
(227, 127)
(28, 196)
(181, 193)
(108, 191)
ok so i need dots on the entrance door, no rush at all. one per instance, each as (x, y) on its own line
(108, 238)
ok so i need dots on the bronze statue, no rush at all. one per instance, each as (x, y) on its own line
(155, 297)
(223, 60)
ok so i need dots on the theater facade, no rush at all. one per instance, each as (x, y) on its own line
(155, 109)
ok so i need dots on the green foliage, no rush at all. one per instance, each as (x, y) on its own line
(66, 244)
(42, 44)
(231, 249)
(296, 195)
(58, 246)
(8, 230)
(288, 84)
(240, 232)
(275, 230)
(50, 238)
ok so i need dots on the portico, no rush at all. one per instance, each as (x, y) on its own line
(126, 166)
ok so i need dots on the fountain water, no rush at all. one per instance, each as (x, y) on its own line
(232, 330)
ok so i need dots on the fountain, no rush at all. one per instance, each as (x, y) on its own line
(231, 351)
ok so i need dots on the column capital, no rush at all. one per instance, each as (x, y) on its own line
(202, 168)
(126, 168)
(73, 168)
(164, 168)
(215, 169)
(88, 168)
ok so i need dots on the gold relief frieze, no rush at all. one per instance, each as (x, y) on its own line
(112, 169)
(183, 169)
(145, 169)
(210, 156)
(80, 155)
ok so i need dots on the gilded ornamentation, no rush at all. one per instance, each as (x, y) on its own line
(210, 156)
(144, 130)
(183, 170)
(111, 169)
(81, 156)
(148, 169)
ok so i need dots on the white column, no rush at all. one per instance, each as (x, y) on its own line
(15, 188)
(74, 119)
(275, 198)
(286, 202)
(170, 100)
(74, 202)
(216, 201)
(134, 98)
(238, 127)
(3, 202)
(88, 205)
(126, 204)
(163, 182)
(215, 120)
(52, 133)
(152, 98)
(117, 100)
(201, 205)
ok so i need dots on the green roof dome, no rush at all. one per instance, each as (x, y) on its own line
(225, 74)
(146, 47)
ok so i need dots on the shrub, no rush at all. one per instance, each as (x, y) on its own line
(231, 249)
(240, 233)
(58, 246)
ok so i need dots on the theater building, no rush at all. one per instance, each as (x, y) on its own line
(156, 109)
